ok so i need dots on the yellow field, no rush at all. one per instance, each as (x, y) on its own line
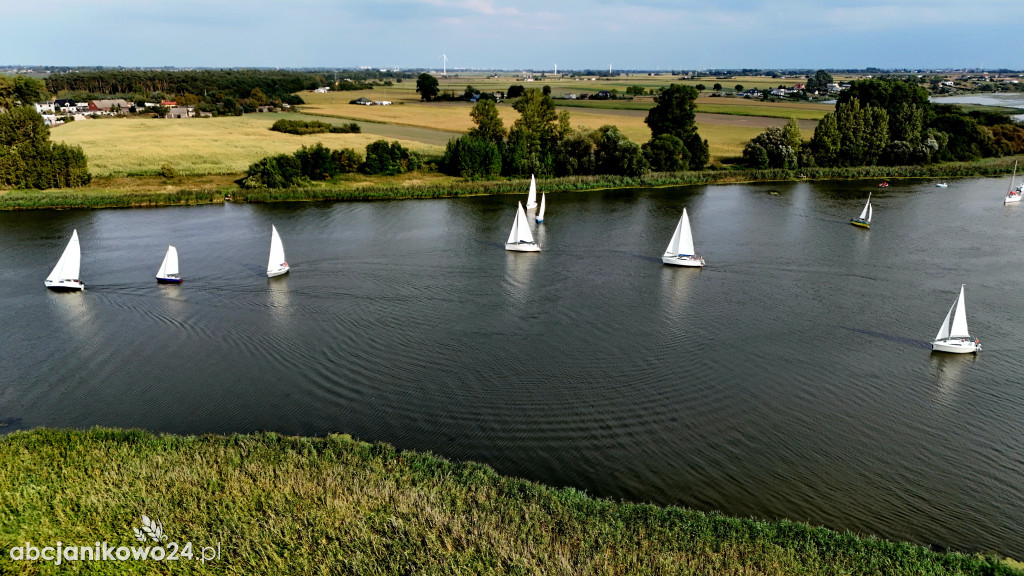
(225, 145)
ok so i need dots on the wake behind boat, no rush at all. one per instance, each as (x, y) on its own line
(168, 272)
(64, 277)
(953, 335)
(679, 251)
(277, 265)
(520, 239)
(864, 220)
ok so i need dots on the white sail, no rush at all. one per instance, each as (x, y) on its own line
(520, 228)
(531, 199)
(169, 267)
(682, 238)
(67, 267)
(540, 213)
(958, 329)
(865, 214)
(277, 264)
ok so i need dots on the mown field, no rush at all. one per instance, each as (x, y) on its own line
(197, 146)
(286, 505)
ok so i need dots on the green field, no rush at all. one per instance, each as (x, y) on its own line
(282, 505)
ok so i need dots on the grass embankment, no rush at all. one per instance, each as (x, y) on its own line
(432, 185)
(285, 505)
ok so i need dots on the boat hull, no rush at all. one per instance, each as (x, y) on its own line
(168, 280)
(65, 285)
(523, 247)
(956, 346)
(687, 261)
(861, 223)
(278, 271)
(1012, 199)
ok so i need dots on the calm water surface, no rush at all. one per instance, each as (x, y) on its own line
(791, 377)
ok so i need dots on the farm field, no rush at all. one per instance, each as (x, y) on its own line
(195, 147)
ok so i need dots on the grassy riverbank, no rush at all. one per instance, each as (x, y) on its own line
(153, 191)
(286, 505)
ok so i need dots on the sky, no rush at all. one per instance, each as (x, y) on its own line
(515, 35)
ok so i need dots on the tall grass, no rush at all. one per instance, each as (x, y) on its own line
(287, 505)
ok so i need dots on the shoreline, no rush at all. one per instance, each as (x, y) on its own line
(79, 198)
(284, 503)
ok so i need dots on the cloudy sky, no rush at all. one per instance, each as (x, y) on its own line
(513, 35)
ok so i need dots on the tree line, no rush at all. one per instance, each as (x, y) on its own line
(319, 163)
(888, 122)
(542, 141)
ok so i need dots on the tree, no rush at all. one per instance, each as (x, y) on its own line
(739, 87)
(635, 90)
(826, 141)
(546, 90)
(574, 154)
(666, 153)
(427, 86)
(614, 153)
(770, 149)
(819, 81)
(515, 91)
(717, 87)
(534, 133)
(471, 156)
(488, 122)
(791, 131)
(674, 113)
(700, 88)
(386, 159)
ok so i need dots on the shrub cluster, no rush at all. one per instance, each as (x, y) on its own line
(314, 127)
(309, 163)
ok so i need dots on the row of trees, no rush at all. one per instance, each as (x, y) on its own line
(541, 141)
(888, 122)
(318, 163)
(29, 160)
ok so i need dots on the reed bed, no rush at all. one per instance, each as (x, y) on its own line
(334, 505)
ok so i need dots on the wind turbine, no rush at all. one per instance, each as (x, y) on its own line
(444, 70)
(556, 68)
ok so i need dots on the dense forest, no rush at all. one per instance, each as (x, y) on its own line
(29, 160)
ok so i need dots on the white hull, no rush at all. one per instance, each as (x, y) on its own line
(956, 346)
(688, 261)
(278, 271)
(523, 247)
(64, 285)
(1011, 199)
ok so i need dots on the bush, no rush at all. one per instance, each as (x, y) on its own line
(471, 157)
(387, 159)
(314, 127)
(168, 171)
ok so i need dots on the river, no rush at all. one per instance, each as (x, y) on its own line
(790, 378)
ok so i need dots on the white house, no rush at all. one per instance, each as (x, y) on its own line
(44, 107)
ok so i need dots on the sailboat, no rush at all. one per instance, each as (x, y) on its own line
(277, 265)
(953, 335)
(864, 219)
(531, 198)
(679, 251)
(64, 277)
(1013, 194)
(168, 272)
(540, 213)
(520, 239)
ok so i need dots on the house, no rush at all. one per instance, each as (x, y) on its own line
(382, 103)
(181, 112)
(109, 106)
(69, 106)
(322, 90)
(44, 107)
